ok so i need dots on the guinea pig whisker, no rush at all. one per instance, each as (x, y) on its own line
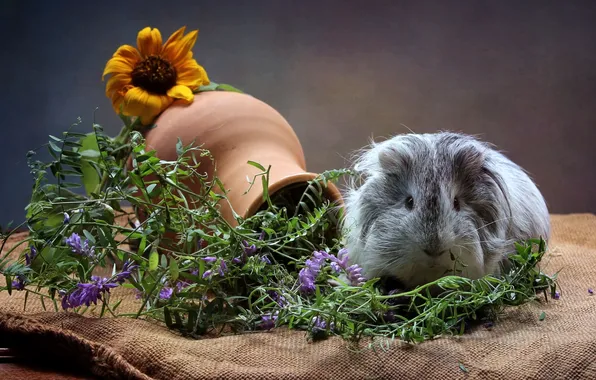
(493, 222)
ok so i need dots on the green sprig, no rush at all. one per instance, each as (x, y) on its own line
(182, 239)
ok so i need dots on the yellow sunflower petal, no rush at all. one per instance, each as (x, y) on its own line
(138, 102)
(149, 42)
(181, 92)
(116, 83)
(204, 76)
(117, 100)
(178, 52)
(174, 38)
(189, 74)
(128, 52)
(118, 65)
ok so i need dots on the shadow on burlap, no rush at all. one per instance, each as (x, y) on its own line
(520, 346)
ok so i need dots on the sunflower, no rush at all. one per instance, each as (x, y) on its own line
(147, 79)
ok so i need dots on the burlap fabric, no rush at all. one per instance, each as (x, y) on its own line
(520, 346)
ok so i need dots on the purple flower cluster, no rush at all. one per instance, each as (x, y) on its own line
(319, 324)
(88, 293)
(166, 293)
(249, 250)
(126, 272)
(79, 247)
(268, 321)
(308, 275)
(29, 257)
(557, 294)
(19, 283)
(221, 269)
(278, 298)
(590, 291)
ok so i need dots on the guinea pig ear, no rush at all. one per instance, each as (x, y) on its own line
(393, 160)
(468, 161)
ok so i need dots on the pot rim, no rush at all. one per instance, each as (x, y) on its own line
(330, 192)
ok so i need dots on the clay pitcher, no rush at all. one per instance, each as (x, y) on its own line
(236, 128)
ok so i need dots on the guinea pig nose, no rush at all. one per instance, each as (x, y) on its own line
(434, 252)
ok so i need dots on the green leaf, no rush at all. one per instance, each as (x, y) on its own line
(90, 152)
(210, 87)
(142, 245)
(89, 237)
(174, 270)
(542, 316)
(179, 147)
(55, 147)
(153, 260)
(227, 87)
(257, 165)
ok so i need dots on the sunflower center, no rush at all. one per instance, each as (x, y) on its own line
(154, 74)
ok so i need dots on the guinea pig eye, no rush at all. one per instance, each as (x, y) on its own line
(409, 203)
(456, 204)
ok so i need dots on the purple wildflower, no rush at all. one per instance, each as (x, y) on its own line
(306, 280)
(236, 260)
(194, 272)
(138, 294)
(30, 256)
(488, 325)
(223, 268)
(278, 298)
(181, 284)
(19, 282)
(127, 269)
(88, 293)
(207, 273)
(308, 274)
(66, 218)
(354, 272)
(335, 267)
(342, 258)
(249, 250)
(319, 324)
(590, 291)
(354, 275)
(265, 259)
(166, 293)
(320, 256)
(209, 259)
(78, 247)
(557, 295)
(313, 266)
(268, 321)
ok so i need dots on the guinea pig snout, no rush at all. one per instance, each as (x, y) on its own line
(435, 247)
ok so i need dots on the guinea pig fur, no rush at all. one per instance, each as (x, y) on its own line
(424, 199)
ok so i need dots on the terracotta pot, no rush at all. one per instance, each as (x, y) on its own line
(236, 128)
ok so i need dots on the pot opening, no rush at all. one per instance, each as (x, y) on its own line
(300, 198)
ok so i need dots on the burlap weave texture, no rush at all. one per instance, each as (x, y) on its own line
(520, 346)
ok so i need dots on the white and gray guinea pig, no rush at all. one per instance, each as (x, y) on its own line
(426, 198)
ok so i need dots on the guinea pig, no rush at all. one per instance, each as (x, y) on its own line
(424, 200)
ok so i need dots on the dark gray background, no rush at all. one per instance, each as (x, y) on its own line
(522, 74)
